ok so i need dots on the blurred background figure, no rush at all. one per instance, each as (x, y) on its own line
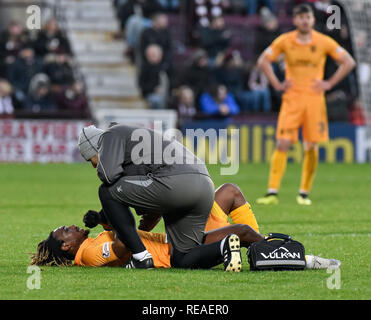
(231, 72)
(158, 34)
(184, 104)
(11, 42)
(40, 97)
(21, 72)
(150, 77)
(253, 5)
(197, 74)
(267, 31)
(219, 102)
(260, 93)
(6, 102)
(141, 8)
(51, 40)
(59, 70)
(170, 5)
(202, 43)
(72, 99)
(215, 38)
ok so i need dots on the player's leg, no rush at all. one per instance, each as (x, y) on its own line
(278, 165)
(183, 200)
(123, 222)
(277, 169)
(246, 234)
(309, 169)
(289, 121)
(315, 130)
(232, 202)
(206, 256)
(185, 231)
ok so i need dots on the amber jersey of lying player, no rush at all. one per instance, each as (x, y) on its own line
(67, 244)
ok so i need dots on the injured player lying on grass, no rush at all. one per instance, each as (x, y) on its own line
(66, 246)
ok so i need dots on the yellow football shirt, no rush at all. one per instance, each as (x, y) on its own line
(304, 62)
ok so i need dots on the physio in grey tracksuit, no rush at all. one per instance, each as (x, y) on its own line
(155, 176)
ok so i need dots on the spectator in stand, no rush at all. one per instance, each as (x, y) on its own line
(6, 103)
(150, 77)
(346, 92)
(340, 35)
(72, 99)
(267, 32)
(337, 103)
(216, 38)
(158, 34)
(144, 8)
(51, 40)
(259, 90)
(11, 41)
(119, 3)
(40, 98)
(357, 116)
(184, 103)
(219, 102)
(197, 75)
(170, 5)
(252, 5)
(230, 72)
(59, 70)
(25, 67)
(296, 2)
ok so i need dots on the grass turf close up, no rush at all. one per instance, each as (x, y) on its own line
(37, 198)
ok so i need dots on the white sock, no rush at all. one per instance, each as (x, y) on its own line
(139, 256)
(222, 245)
(309, 259)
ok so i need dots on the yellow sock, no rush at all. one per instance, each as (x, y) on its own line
(216, 211)
(244, 215)
(309, 169)
(277, 169)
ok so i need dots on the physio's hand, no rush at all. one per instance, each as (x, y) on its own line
(91, 219)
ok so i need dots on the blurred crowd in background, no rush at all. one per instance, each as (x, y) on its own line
(197, 57)
(211, 72)
(37, 74)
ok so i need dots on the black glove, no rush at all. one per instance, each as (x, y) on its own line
(91, 219)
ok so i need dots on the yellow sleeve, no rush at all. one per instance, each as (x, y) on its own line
(333, 49)
(276, 48)
(98, 256)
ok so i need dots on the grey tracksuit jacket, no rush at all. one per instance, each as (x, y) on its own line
(134, 151)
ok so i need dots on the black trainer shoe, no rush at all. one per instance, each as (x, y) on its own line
(145, 263)
(232, 254)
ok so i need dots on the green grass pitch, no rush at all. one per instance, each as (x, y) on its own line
(35, 199)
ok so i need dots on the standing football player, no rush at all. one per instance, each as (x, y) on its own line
(303, 102)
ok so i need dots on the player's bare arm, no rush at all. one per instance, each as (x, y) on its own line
(92, 218)
(119, 248)
(265, 66)
(346, 65)
(149, 221)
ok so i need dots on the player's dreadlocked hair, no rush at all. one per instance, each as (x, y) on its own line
(49, 253)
